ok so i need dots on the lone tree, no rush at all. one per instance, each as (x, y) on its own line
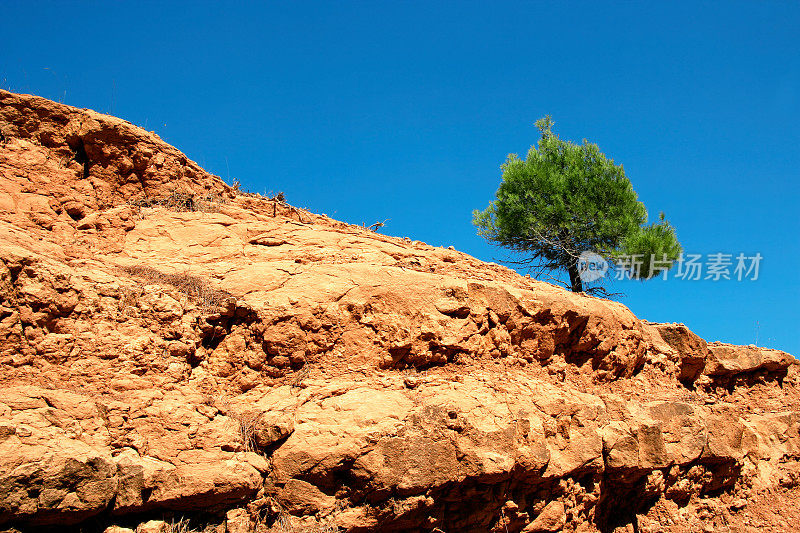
(565, 199)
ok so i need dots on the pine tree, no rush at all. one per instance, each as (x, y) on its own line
(565, 199)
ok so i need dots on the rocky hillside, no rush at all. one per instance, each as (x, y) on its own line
(178, 355)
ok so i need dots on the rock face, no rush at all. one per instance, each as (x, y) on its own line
(173, 347)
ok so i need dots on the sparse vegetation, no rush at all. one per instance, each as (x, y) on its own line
(128, 298)
(246, 421)
(180, 526)
(284, 523)
(195, 288)
(376, 225)
(299, 377)
(276, 199)
(182, 201)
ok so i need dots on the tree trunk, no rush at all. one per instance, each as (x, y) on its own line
(575, 278)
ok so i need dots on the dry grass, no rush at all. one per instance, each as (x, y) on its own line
(247, 428)
(182, 201)
(195, 288)
(284, 525)
(299, 377)
(246, 421)
(181, 526)
(128, 298)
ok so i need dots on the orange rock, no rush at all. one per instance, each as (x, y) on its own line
(169, 344)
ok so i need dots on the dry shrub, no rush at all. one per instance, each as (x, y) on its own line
(197, 289)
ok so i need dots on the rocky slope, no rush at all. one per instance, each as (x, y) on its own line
(178, 354)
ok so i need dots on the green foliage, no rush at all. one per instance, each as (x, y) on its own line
(652, 243)
(566, 198)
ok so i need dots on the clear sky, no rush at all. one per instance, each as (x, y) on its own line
(404, 111)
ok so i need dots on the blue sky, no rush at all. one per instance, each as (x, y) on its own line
(404, 111)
